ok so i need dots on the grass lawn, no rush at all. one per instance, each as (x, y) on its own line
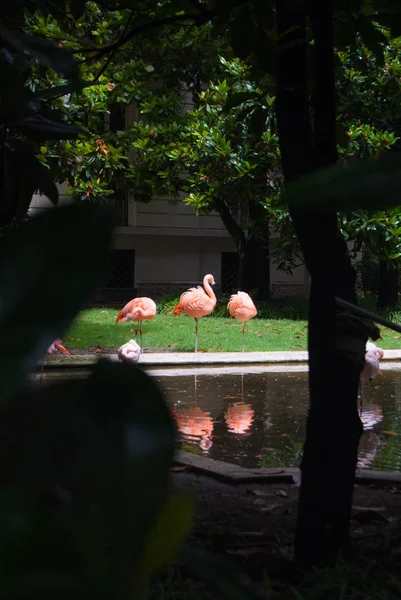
(96, 328)
(165, 333)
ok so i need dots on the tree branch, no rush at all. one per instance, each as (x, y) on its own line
(147, 27)
(230, 223)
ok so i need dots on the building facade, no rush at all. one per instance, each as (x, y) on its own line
(164, 248)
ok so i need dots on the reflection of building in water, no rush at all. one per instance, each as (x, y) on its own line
(195, 425)
(239, 417)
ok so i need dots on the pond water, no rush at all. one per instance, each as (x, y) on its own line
(258, 418)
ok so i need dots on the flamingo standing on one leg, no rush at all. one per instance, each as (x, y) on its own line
(138, 309)
(373, 356)
(52, 349)
(197, 303)
(371, 367)
(241, 307)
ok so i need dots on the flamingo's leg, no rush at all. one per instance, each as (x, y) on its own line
(362, 383)
(41, 370)
(243, 337)
(196, 335)
(140, 331)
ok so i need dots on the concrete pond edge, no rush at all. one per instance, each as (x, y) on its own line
(190, 359)
(234, 474)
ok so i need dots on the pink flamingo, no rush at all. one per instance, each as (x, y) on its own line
(129, 352)
(373, 356)
(371, 368)
(52, 349)
(197, 303)
(138, 309)
(242, 308)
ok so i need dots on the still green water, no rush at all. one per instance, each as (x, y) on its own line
(258, 419)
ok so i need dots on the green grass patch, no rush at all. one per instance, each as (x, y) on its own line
(96, 327)
(280, 325)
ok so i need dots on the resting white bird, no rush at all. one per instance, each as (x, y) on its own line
(371, 347)
(373, 356)
(129, 352)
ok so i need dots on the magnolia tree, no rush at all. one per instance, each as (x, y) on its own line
(224, 155)
(224, 159)
(369, 88)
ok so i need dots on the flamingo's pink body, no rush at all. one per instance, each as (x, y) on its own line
(371, 347)
(55, 347)
(242, 308)
(139, 310)
(197, 303)
(129, 352)
(373, 357)
(52, 349)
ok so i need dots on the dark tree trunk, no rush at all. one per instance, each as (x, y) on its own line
(387, 296)
(329, 458)
(254, 255)
(254, 269)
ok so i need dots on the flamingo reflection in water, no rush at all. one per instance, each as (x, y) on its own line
(370, 441)
(196, 425)
(239, 415)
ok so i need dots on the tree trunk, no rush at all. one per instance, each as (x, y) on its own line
(327, 466)
(253, 251)
(388, 285)
(254, 268)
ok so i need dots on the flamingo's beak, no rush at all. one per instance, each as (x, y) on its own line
(60, 346)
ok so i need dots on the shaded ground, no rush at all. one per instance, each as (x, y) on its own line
(255, 523)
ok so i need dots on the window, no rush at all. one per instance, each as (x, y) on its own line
(119, 284)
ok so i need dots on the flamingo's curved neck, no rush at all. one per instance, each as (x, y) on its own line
(208, 289)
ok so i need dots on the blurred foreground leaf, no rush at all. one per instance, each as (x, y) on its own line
(44, 51)
(167, 533)
(369, 185)
(46, 281)
(98, 452)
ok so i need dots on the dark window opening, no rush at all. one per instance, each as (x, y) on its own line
(229, 272)
(119, 284)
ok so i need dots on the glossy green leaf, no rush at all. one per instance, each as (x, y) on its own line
(220, 572)
(107, 441)
(168, 532)
(44, 51)
(369, 184)
(48, 268)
